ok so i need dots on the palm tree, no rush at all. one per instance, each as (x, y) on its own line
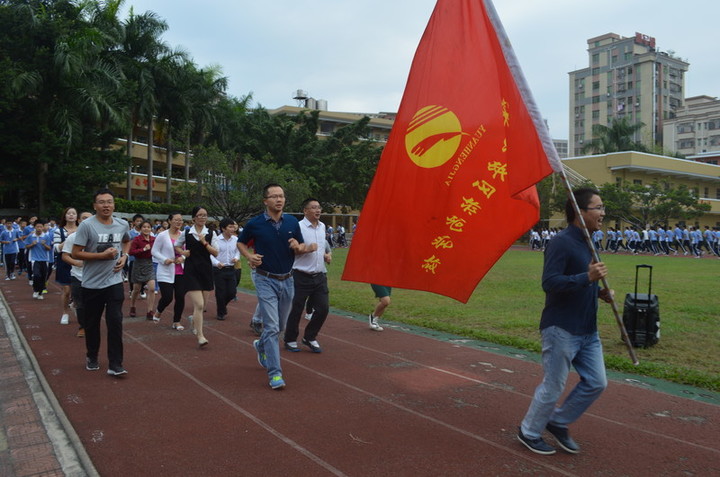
(73, 88)
(615, 138)
(141, 49)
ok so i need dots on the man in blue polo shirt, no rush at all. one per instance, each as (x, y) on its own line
(277, 239)
(568, 327)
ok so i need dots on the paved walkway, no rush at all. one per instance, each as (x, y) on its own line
(402, 402)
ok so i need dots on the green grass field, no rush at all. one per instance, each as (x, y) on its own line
(506, 306)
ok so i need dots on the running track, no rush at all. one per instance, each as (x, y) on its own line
(396, 403)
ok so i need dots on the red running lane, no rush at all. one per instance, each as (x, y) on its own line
(393, 403)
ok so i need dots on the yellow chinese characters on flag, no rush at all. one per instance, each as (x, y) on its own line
(455, 184)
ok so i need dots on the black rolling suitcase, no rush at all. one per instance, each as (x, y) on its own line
(641, 315)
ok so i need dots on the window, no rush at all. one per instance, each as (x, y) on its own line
(707, 192)
(596, 71)
(596, 99)
(637, 181)
(596, 85)
(596, 58)
(717, 194)
(596, 114)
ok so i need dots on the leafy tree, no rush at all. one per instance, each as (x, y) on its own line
(61, 82)
(652, 204)
(615, 138)
(237, 192)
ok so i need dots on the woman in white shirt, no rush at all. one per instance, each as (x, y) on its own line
(170, 274)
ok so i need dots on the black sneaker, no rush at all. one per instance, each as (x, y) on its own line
(562, 436)
(91, 364)
(116, 371)
(538, 446)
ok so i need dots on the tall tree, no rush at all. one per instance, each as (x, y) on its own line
(652, 204)
(141, 48)
(615, 138)
(63, 84)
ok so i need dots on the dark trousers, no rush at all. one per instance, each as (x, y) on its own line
(10, 259)
(40, 271)
(225, 282)
(76, 293)
(175, 290)
(313, 288)
(109, 300)
(22, 260)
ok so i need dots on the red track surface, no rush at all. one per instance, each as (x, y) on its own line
(392, 403)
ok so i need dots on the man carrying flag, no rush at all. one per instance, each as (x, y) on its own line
(569, 329)
(466, 149)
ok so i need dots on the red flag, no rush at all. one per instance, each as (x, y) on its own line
(455, 184)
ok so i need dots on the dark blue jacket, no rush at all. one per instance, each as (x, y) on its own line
(571, 300)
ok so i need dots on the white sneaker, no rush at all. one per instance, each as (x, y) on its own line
(35, 295)
(65, 319)
(40, 297)
(374, 324)
(143, 295)
(308, 316)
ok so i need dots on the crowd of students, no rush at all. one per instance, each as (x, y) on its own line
(655, 240)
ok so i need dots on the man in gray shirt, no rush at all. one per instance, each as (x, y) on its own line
(102, 243)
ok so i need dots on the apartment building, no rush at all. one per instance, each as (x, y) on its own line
(695, 131)
(625, 78)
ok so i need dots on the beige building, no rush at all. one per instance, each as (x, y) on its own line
(626, 78)
(696, 128)
(644, 168)
(380, 123)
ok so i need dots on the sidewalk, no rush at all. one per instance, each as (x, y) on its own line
(35, 436)
(406, 401)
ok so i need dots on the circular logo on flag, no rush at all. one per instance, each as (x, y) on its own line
(433, 136)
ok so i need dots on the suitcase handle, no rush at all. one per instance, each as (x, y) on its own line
(637, 270)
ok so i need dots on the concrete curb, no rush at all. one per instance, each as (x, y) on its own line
(69, 450)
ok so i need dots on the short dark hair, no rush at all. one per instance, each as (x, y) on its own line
(102, 192)
(39, 222)
(173, 214)
(137, 216)
(225, 222)
(307, 201)
(583, 196)
(268, 186)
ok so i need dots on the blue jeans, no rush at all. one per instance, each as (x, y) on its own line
(274, 302)
(561, 349)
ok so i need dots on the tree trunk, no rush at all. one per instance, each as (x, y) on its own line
(187, 158)
(42, 187)
(168, 160)
(128, 190)
(150, 151)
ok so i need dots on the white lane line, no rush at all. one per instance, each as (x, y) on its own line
(302, 450)
(520, 455)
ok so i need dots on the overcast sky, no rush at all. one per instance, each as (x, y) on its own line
(357, 54)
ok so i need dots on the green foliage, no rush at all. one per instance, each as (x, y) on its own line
(652, 204)
(231, 190)
(74, 77)
(615, 138)
(144, 207)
